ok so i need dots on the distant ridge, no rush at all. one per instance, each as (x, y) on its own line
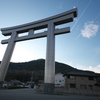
(23, 70)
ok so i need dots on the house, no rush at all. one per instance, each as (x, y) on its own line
(30, 84)
(82, 83)
(5, 84)
(40, 83)
(59, 80)
(16, 83)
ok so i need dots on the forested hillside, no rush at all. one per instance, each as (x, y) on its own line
(24, 71)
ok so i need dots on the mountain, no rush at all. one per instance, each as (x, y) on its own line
(39, 64)
(25, 70)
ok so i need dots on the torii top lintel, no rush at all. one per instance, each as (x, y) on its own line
(62, 18)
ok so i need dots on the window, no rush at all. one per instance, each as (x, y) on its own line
(83, 86)
(59, 80)
(68, 77)
(72, 85)
(72, 77)
(91, 78)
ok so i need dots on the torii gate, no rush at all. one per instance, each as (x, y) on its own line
(49, 23)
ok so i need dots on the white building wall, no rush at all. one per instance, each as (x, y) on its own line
(59, 80)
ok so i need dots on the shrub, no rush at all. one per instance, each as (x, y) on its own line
(15, 87)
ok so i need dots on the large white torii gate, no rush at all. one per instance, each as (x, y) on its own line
(49, 23)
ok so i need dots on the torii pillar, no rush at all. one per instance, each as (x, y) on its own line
(50, 61)
(49, 23)
(6, 58)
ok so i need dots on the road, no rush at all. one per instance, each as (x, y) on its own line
(30, 94)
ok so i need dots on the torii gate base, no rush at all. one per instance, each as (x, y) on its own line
(49, 88)
(49, 23)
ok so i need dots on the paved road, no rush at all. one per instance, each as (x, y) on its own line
(30, 94)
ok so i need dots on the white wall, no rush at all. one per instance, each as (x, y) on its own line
(60, 80)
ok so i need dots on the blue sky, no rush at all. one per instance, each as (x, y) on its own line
(80, 48)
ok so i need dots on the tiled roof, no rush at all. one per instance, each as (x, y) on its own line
(83, 73)
(15, 81)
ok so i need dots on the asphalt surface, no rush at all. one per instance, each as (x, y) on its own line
(30, 94)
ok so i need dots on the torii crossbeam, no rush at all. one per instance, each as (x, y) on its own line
(49, 23)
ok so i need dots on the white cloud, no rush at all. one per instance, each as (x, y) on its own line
(89, 68)
(90, 29)
(95, 69)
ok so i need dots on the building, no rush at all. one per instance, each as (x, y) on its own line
(40, 83)
(59, 80)
(16, 83)
(30, 84)
(82, 83)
